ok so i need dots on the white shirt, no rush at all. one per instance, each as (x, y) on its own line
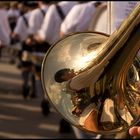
(78, 18)
(21, 28)
(4, 23)
(50, 28)
(36, 19)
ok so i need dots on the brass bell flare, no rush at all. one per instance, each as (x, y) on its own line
(93, 79)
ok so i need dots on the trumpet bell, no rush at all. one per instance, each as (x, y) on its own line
(101, 107)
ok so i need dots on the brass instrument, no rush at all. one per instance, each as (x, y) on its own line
(113, 94)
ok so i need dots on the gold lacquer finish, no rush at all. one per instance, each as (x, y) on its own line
(93, 79)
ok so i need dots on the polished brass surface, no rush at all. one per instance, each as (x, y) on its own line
(108, 100)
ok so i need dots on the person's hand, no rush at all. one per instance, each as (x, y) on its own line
(134, 131)
(29, 41)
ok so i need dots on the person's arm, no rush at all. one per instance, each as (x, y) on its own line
(18, 30)
(48, 26)
(134, 131)
(35, 21)
(67, 26)
(4, 37)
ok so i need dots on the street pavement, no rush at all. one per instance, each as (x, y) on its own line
(20, 118)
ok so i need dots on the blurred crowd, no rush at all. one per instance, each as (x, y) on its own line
(35, 26)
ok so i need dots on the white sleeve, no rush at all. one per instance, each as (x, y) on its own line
(4, 37)
(68, 25)
(47, 29)
(21, 29)
(18, 28)
(6, 23)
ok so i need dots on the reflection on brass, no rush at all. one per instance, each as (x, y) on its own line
(93, 80)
